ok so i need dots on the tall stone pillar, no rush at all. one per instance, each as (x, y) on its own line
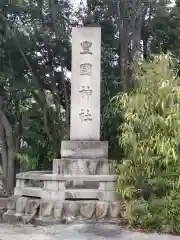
(85, 154)
(85, 83)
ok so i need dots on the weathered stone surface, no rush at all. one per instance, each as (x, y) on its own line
(58, 209)
(27, 218)
(34, 183)
(32, 175)
(28, 191)
(51, 213)
(20, 183)
(81, 184)
(51, 185)
(108, 196)
(71, 209)
(46, 209)
(90, 166)
(87, 209)
(107, 186)
(94, 167)
(71, 194)
(101, 209)
(21, 204)
(55, 177)
(32, 206)
(11, 204)
(12, 216)
(84, 149)
(57, 166)
(46, 221)
(77, 167)
(114, 209)
(79, 190)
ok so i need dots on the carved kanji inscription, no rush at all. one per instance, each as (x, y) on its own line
(85, 92)
(85, 115)
(86, 47)
(86, 69)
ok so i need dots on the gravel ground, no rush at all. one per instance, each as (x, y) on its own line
(76, 232)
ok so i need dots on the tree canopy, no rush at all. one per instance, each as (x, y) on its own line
(35, 59)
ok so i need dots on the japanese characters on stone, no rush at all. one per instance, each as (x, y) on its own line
(86, 69)
(85, 92)
(85, 115)
(86, 47)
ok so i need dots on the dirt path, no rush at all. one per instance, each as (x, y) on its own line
(74, 232)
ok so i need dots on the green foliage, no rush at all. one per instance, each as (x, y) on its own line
(112, 117)
(35, 55)
(149, 175)
(36, 149)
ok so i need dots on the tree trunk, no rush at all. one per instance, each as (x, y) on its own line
(10, 152)
(8, 145)
(4, 155)
(10, 180)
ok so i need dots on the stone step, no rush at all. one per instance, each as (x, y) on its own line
(37, 175)
(25, 209)
(60, 194)
(101, 195)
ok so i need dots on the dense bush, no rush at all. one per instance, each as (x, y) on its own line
(148, 178)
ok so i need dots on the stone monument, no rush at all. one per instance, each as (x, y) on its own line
(81, 185)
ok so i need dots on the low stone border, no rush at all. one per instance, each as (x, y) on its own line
(48, 212)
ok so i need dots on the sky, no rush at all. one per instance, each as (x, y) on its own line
(77, 1)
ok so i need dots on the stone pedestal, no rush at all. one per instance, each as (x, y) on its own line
(83, 157)
(87, 162)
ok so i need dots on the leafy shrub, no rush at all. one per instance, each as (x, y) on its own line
(148, 178)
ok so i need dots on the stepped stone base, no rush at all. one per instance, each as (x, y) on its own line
(80, 188)
(43, 212)
(61, 187)
(45, 198)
